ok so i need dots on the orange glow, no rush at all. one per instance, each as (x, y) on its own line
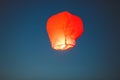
(63, 30)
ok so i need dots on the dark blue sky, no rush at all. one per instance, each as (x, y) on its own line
(26, 53)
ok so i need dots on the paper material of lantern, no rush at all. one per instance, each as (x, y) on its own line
(63, 30)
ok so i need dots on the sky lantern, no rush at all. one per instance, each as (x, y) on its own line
(63, 30)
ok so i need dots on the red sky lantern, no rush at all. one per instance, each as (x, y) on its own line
(63, 30)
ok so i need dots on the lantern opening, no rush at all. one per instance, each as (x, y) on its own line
(63, 43)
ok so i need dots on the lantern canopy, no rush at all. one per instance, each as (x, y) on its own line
(63, 30)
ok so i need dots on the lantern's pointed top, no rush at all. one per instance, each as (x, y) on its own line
(64, 12)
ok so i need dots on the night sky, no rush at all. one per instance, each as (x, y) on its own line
(26, 53)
